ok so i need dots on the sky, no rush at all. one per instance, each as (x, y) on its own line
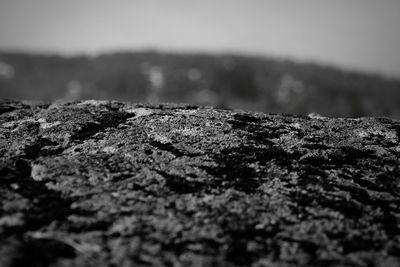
(354, 34)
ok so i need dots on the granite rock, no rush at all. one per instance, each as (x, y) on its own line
(98, 183)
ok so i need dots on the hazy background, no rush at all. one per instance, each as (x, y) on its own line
(281, 44)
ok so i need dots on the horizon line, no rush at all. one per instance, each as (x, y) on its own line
(199, 52)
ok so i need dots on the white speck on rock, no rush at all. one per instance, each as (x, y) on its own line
(93, 102)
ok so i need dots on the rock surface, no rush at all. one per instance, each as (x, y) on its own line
(115, 184)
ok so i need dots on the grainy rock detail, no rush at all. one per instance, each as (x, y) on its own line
(99, 183)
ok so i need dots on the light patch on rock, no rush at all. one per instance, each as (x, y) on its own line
(165, 118)
(8, 124)
(12, 124)
(187, 131)
(139, 112)
(93, 102)
(47, 125)
(38, 172)
(14, 186)
(83, 247)
(316, 116)
(377, 150)
(109, 149)
(42, 121)
(296, 125)
(160, 138)
(129, 156)
(362, 134)
(39, 235)
(186, 111)
(386, 134)
(12, 220)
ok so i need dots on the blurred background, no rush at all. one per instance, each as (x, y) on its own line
(335, 58)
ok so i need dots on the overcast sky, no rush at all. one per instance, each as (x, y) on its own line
(361, 34)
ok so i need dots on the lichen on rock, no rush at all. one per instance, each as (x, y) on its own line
(99, 183)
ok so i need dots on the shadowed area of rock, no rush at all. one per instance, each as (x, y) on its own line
(98, 183)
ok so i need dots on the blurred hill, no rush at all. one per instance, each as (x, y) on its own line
(230, 81)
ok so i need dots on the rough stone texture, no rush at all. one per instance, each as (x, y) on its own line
(113, 184)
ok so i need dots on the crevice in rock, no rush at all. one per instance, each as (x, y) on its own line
(39, 252)
(105, 120)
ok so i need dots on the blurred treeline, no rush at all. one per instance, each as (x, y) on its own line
(252, 83)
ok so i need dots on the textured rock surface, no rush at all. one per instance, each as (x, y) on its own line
(111, 184)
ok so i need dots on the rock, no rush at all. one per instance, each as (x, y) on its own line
(99, 183)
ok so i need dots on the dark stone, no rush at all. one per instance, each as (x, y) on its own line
(99, 183)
